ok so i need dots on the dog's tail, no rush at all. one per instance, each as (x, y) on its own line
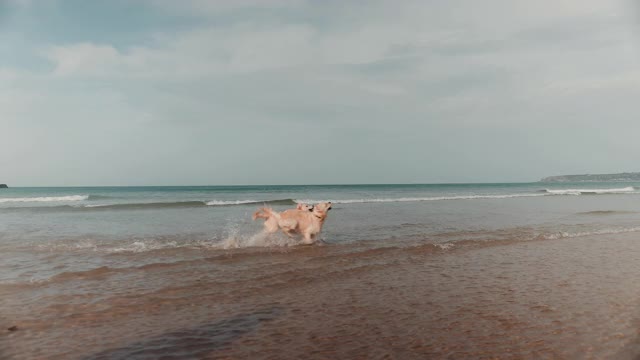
(263, 213)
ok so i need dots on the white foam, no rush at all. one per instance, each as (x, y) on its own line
(46, 199)
(445, 246)
(566, 235)
(415, 199)
(260, 239)
(628, 189)
(230, 202)
(84, 244)
(143, 246)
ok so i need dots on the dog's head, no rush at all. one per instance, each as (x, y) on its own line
(304, 207)
(321, 209)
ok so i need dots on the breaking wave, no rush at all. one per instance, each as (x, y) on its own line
(46, 199)
(148, 205)
(546, 192)
(94, 201)
(248, 202)
(628, 189)
(416, 199)
(606, 231)
(179, 204)
(155, 205)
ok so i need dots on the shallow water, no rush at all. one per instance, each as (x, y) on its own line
(542, 276)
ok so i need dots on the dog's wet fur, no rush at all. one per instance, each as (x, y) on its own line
(305, 220)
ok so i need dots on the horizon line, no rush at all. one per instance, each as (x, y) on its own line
(247, 185)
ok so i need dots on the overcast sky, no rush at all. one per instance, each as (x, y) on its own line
(162, 92)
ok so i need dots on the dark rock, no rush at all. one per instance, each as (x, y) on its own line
(3, 186)
(13, 328)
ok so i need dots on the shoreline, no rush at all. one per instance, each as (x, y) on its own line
(564, 298)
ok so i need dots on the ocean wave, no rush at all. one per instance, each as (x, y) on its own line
(147, 205)
(181, 204)
(546, 192)
(606, 231)
(416, 199)
(249, 202)
(46, 199)
(100, 197)
(229, 202)
(625, 190)
(606, 212)
(96, 204)
(143, 205)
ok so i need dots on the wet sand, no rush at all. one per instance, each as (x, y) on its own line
(561, 299)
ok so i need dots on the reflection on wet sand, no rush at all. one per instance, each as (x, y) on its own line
(192, 343)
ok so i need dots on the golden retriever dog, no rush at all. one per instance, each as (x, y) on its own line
(271, 222)
(307, 223)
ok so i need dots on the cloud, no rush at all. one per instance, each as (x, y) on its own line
(216, 7)
(243, 46)
(403, 82)
(83, 59)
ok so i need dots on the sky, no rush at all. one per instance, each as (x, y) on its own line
(212, 92)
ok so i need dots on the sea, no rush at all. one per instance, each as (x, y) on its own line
(131, 272)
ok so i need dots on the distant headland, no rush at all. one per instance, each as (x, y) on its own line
(3, 186)
(627, 176)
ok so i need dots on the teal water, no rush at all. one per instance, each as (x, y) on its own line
(87, 227)
(235, 195)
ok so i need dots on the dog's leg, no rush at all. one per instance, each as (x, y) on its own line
(290, 233)
(308, 238)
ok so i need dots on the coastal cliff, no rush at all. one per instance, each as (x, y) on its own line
(627, 176)
(3, 186)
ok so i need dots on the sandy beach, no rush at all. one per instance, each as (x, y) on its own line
(561, 299)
